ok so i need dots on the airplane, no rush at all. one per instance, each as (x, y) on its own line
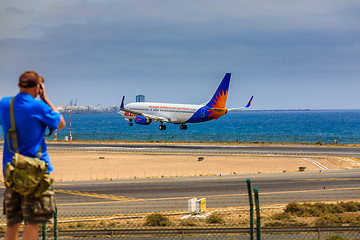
(144, 113)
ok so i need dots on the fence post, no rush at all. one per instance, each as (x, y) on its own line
(251, 209)
(44, 237)
(56, 233)
(258, 221)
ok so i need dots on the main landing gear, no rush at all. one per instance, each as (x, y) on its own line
(183, 127)
(130, 123)
(162, 127)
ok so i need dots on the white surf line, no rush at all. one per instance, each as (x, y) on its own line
(316, 163)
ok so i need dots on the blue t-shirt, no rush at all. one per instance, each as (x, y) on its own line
(31, 119)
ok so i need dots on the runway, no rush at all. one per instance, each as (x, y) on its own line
(172, 194)
(210, 148)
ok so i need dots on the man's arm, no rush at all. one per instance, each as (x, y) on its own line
(47, 101)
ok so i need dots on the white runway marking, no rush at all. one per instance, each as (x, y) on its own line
(316, 163)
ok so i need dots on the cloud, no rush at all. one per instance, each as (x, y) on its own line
(15, 11)
(265, 15)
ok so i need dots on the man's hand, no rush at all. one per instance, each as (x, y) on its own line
(42, 93)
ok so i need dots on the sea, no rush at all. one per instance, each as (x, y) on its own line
(288, 126)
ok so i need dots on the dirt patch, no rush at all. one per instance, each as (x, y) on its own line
(83, 165)
(73, 165)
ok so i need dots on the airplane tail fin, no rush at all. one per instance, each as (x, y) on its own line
(220, 96)
(122, 103)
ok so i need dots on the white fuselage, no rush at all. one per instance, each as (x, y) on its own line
(176, 113)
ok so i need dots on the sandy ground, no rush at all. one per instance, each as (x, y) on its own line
(74, 166)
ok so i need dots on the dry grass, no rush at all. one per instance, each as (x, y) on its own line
(270, 217)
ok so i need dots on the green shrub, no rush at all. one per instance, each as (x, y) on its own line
(335, 237)
(302, 210)
(332, 220)
(188, 223)
(284, 220)
(320, 209)
(310, 211)
(328, 208)
(278, 223)
(350, 206)
(157, 219)
(80, 225)
(293, 207)
(283, 217)
(327, 215)
(215, 218)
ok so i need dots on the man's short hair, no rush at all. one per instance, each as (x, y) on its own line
(30, 79)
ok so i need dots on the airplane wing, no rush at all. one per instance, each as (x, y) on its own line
(247, 106)
(216, 109)
(156, 118)
(146, 115)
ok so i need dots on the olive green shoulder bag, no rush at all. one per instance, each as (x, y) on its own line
(25, 175)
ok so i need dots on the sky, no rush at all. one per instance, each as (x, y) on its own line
(288, 54)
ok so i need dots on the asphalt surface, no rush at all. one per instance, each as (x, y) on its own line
(208, 148)
(218, 149)
(172, 194)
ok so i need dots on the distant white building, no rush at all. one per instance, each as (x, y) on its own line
(140, 98)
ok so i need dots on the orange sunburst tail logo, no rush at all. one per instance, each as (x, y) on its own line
(218, 101)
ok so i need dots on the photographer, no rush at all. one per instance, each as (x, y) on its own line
(32, 117)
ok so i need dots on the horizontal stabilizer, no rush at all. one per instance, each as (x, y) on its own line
(216, 109)
(247, 106)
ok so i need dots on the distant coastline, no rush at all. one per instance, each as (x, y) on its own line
(115, 109)
(88, 109)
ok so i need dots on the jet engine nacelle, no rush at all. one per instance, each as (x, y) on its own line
(142, 120)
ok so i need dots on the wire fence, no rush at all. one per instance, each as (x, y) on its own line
(225, 226)
(210, 233)
(214, 137)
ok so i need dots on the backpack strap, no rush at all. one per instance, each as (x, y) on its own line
(12, 132)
